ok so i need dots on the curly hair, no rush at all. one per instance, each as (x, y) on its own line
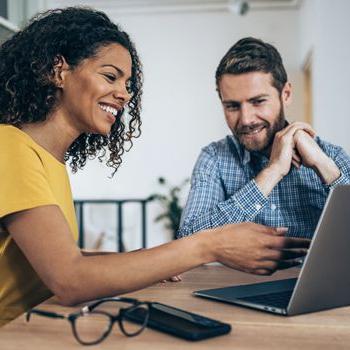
(28, 91)
(253, 55)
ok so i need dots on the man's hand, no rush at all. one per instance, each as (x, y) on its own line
(282, 156)
(308, 150)
(312, 156)
(256, 248)
(282, 152)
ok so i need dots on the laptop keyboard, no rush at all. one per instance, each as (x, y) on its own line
(280, 299)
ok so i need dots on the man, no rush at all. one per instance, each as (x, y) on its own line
(269, 171)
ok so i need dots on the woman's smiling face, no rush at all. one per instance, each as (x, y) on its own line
(94, 91)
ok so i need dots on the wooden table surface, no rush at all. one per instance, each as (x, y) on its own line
(251, 329)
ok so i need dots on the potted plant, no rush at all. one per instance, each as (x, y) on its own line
(171, 205)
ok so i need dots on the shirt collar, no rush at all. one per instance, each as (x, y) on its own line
(244, 155)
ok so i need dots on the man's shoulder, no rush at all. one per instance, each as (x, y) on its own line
(218, 156)
(329, 148)
(223, 147)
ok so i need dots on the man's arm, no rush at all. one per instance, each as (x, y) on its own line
(332, 167)
(206, 205)
(281, 157)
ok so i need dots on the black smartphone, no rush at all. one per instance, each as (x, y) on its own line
(180, 323)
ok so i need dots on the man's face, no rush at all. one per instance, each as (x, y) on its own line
(253, 107)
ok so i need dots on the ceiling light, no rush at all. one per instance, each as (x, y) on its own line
(239, 7)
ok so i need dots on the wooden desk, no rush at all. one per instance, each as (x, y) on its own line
(251, 329)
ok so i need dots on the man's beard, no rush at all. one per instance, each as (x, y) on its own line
(271, 129)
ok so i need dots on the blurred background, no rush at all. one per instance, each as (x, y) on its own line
(180, 44)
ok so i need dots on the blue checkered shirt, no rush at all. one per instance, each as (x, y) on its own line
(223, 190)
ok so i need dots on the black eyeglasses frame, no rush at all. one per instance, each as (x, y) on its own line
(90, 308)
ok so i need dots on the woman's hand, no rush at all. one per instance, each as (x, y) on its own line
(254, 248)
(176, 278)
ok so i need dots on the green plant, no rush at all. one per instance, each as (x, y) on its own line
(171, 203)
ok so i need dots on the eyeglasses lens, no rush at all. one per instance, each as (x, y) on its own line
(92, 326)
(95, 325)
(135, 319)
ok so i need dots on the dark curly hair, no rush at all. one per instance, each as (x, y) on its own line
(27, 88)
(253, 55)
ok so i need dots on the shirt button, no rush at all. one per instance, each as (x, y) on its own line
(257, 206)
(273, 206)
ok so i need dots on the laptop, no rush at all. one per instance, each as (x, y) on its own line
(324, 279)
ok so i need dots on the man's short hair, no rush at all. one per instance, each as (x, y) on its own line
(253, 55)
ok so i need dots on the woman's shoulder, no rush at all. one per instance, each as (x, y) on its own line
(13, 141)
(16, 144)
(11, 134)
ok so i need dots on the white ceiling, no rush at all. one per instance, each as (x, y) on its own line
(169, 6)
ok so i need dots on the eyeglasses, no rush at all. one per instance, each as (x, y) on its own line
(94, 322)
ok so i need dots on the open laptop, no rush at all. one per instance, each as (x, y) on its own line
(324, 280)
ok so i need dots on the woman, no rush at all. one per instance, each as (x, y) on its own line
(66, 82)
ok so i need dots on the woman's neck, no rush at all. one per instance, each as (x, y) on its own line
(53, 134)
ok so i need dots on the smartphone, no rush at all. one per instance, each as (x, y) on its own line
(180, 323)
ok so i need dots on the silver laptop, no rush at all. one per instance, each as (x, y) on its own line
(324, 279)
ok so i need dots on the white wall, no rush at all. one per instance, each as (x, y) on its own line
(19, 11)
(325, 30)
(182, 113)
(181, 110)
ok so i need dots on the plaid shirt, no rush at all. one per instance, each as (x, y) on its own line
(223, 190)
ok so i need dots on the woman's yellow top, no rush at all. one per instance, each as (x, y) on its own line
(30, 177)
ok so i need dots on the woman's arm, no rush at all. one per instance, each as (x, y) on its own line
(176, 278)
(44, 237)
